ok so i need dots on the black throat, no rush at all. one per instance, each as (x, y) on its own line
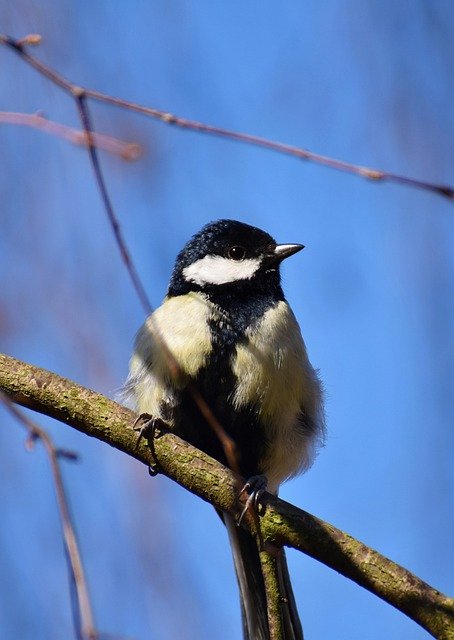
(249, 298)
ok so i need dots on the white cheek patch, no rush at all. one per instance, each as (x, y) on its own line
(220, 270)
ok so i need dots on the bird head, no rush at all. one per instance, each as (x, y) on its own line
(228, 255)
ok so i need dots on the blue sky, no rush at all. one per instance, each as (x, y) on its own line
(370, 83)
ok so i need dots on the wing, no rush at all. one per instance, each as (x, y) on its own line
(181, 324)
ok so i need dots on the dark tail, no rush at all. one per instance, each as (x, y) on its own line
(252, 588)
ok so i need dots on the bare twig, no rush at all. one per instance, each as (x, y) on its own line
(281, 524)
(126, 150)
(79, 96)
(226, 441)
(82, 616)
(376, 175)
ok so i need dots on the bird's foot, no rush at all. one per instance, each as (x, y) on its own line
(255, 487)
(148, 426)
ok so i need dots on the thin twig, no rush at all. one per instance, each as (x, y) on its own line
(126, 150)
(376, 175)
(79, 97)
(175, 370)
(82, 615)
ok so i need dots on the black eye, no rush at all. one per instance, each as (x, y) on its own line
(236, 253)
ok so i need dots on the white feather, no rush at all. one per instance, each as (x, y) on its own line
(219, 270)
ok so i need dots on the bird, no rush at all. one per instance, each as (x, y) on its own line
(235, 338)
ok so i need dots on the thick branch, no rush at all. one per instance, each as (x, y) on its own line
(281, 524)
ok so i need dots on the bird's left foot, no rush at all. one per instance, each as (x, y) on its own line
(255, 487)
(147, 426)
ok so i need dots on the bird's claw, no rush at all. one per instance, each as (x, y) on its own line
(147, 426)
(255, 487)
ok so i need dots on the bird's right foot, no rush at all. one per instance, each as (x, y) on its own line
(255, 487)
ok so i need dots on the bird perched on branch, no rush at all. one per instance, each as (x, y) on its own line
(226, 323)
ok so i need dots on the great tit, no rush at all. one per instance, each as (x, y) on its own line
(228, 325)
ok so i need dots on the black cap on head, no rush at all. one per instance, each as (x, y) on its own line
(215, 237)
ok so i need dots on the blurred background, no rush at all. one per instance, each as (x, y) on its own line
(371, 83)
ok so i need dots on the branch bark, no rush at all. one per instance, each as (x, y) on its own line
(281, 524)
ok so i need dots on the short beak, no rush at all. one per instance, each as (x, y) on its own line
(283, 251)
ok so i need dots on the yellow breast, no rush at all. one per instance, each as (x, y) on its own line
(182, 322)
(269, 367)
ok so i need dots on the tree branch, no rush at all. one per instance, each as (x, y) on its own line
(281, 524)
